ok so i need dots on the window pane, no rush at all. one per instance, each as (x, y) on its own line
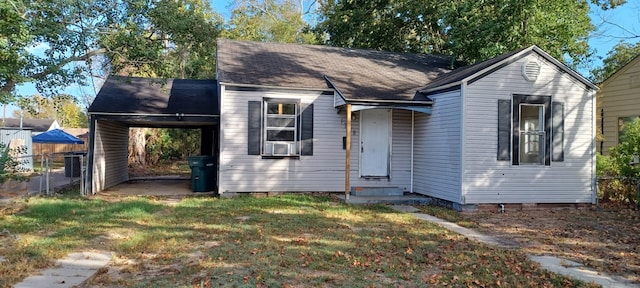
(274, 108)
(532, 134)
(281, 122)
(623, 121)
(280, 135)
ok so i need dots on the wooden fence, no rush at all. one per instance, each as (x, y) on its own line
(47, 148)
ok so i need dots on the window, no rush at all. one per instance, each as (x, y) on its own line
(623, 121)
(280, 128)
(532, 134)
(530, 130)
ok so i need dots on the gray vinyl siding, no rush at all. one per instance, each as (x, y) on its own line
(437, 148)
(619, 97)
(111, 142)
(26, 158)
(239, 172)
(400, 158)
(486, 180)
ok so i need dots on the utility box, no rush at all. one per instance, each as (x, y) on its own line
(203, 173)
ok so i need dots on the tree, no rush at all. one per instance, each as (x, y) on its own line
(412, 26)
(162, 38)
(621, 54)
(63, 108)
(269, 21)
(479, 30)
(469, 30)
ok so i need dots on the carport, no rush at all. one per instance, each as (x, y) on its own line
(126, 102)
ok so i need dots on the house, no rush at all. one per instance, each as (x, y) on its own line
(618, 103)
(37, 126)
(518, 128)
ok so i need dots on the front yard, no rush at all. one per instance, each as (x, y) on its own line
(286, 241)
(605, 239)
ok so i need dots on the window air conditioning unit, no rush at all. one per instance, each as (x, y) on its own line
(281, 148)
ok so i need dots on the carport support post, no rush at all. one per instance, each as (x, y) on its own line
(206, 141)
(347, 164)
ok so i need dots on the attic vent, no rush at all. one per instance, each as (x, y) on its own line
(530, 70)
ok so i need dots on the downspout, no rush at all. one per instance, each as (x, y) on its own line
(90, 157)
(347, 165)
(412, 137)
(601, 129)
(221, 137)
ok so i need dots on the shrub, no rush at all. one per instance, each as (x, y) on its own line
(623, 166)
(10, 167)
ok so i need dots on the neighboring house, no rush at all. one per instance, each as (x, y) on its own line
(518, 128)
(618, 103)
(37, 126)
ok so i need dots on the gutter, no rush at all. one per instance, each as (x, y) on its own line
(274, 87)
(152, 114)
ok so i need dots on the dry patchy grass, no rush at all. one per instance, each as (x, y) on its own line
(284, 241)
(607, 239)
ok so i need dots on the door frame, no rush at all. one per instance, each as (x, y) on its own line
(389, 139)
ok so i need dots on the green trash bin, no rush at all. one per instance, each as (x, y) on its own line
(203, 173)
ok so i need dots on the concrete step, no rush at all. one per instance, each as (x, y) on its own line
(376, 191)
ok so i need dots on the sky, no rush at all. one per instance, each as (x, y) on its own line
(612, 26)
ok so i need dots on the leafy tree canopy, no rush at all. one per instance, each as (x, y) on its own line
(620, 55)
(63, 108)
(163, 38)
(403, 25)
(470, 30)
(269, 21)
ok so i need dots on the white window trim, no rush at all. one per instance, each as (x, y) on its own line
(292, 147)
(540, 132)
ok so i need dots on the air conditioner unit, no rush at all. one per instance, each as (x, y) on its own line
(280, 148)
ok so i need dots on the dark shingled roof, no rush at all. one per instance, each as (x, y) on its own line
(358, 74)
(464, 72)
(133, 95)
(36, 125)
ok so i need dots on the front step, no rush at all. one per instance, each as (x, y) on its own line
(376, 191)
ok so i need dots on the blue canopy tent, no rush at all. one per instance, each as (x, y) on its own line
(72, 162)
(56, 136)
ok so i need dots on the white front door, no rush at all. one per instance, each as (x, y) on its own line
(374, 142)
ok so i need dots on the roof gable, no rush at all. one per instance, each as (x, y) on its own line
(359, 74)
(479, 70)
(621, 71)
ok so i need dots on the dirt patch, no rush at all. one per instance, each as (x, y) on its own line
(607, 240)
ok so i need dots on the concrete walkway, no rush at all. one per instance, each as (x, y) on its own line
(68, 272)
(551, 263)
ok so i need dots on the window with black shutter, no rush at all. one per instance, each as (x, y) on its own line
(280, 128)
(530, 130)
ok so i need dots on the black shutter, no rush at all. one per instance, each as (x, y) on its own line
(306, 131)
(504, 130)
(255, 127)
(557, 112)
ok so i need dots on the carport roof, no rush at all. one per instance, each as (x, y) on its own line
(151, 96)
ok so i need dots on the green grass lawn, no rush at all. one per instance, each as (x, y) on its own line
(285, 241)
